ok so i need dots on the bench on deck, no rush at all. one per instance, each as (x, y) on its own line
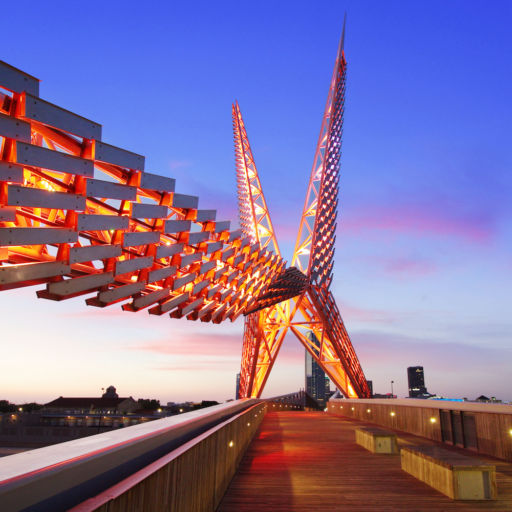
(377, 440)
(457, 476)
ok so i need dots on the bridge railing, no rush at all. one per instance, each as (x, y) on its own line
(182, 462)
(480, 427)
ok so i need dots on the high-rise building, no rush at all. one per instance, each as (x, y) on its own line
(370, 386)
(416, 380)
(317, 383)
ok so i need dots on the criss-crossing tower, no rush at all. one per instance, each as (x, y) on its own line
(312, 314)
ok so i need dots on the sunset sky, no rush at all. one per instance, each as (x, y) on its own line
(424, 245)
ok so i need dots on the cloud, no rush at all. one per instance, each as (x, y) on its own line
(435, 219)
(354, 313)
(210, 349)
(195, 343)
(114, 310)
(286, 229)
(179, 164)
(389, 347)
(476, 331)
(408, 267)
(216, 365)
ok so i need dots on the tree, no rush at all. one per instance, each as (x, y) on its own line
(148, 403)
(31, 406)
(6, 406)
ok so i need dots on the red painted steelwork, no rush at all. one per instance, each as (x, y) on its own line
(313, 317)
(84, 218)
(262, 339)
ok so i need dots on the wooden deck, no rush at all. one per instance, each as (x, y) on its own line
(309, 461)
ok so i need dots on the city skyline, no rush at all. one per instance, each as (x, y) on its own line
(423, 253)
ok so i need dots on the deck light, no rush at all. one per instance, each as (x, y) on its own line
(432, 420)
(368, 411)
(231, 444)
(392, 413)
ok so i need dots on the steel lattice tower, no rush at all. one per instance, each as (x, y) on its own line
(314, 309)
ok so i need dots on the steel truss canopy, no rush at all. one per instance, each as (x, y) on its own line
(80, 217)
(84, 218)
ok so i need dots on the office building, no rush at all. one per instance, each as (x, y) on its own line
(416, 380)
(370, 386)
(317, 382)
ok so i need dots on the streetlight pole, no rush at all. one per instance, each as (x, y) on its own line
(392, 382)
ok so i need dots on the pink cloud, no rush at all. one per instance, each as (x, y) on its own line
(110, 311)
(408, 267)
(433, 219)
(210, 350)
(179, 164)
(194, 343)
(354, 313)
(215, 365)
(285, 230)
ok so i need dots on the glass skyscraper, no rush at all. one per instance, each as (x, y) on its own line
(416, 380)
(317, 382)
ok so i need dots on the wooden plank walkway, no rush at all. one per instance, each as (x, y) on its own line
(309, 461)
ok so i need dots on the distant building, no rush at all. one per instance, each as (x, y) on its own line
(370, 386)
(317, 383)
(416, 380)
(483, 398)
(109, 403)
(237, 386)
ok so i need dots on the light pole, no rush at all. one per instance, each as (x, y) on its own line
(392, 382)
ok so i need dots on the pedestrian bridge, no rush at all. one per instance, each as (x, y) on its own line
(250, 455)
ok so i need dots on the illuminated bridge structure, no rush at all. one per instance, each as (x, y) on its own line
(84, 218)
(80, 217)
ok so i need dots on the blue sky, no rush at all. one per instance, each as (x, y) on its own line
(423, 258)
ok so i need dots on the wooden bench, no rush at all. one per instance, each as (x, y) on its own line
(458, 476)
(376, 440)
